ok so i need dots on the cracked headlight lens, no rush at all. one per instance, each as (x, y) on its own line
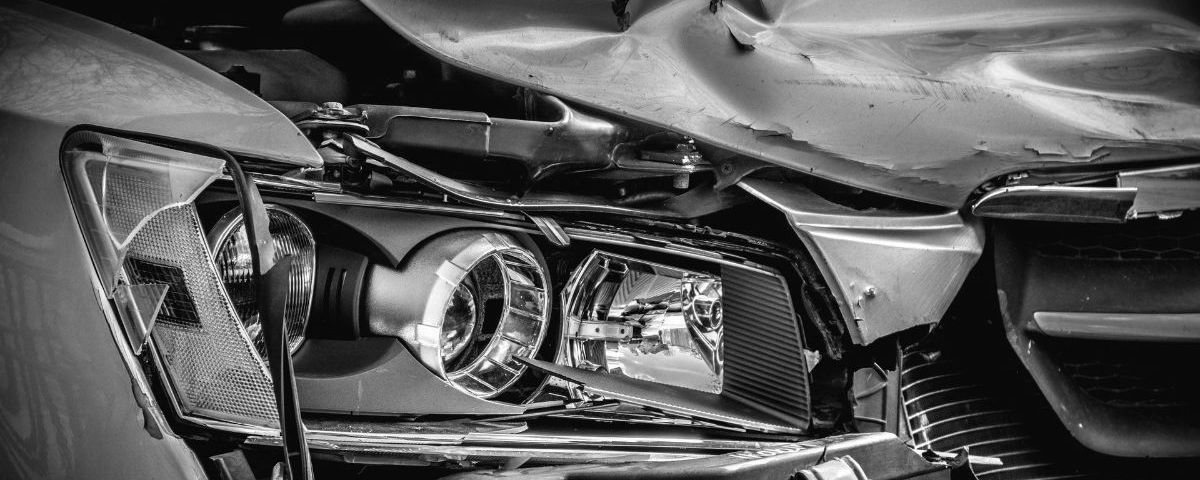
(134, 201)
(644, 320)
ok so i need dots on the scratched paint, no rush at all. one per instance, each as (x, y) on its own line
(924, 100)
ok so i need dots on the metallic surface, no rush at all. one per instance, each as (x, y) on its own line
(889, 270)
(922, 100)
(550, 229)
(487, 197)
(1166, 190)
(1058, 203)
(644, 320)
(484, 441)
(1138, 327)
(572, 141)
(292, 75)
(63, 70)
(880, 456)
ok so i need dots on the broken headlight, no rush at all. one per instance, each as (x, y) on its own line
(134, 203)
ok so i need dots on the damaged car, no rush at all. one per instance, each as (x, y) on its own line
(600, 239)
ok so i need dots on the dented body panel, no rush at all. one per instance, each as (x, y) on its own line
(920, 100)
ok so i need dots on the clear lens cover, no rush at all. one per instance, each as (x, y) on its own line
(459, 324)
(134, 204)
(644, 320)
(117, 185)
(231, 251)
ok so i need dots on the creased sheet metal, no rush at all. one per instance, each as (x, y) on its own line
(924, 100)
(889, 271)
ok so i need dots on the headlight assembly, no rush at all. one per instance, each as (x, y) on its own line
(646, 321)
(231, 251)
(466, 303)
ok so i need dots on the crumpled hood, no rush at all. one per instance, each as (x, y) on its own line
(923, 100)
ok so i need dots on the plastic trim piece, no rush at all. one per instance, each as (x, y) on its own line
(1139, 327)
(1058, 203)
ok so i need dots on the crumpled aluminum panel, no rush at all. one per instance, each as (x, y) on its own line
(923, 100)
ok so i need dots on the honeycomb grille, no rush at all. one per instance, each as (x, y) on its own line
(1132, 375)
(204, 348)
(1141, 240)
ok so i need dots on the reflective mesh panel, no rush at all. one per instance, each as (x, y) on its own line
(204, 347)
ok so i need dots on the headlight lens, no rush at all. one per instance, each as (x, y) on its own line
(134, 202)
(644, 320)
(231, 251)
(459, 325)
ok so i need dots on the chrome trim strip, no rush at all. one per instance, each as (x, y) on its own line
(1135, 327)
(577, 453)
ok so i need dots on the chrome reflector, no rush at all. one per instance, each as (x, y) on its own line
(644, 320)
(466, 303)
